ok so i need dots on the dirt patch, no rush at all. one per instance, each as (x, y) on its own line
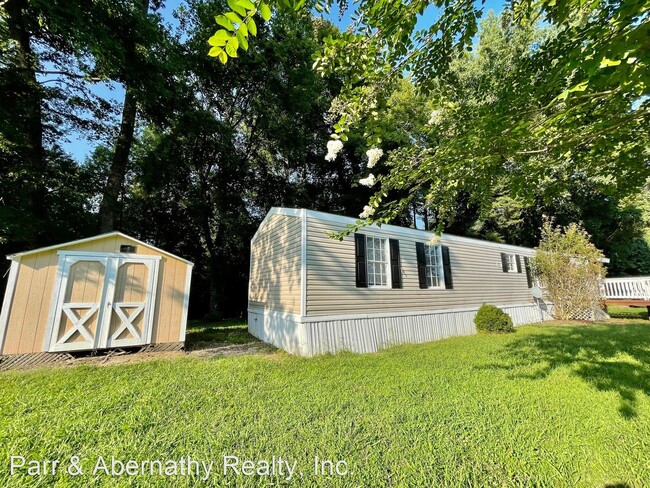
(204, 351)
(127, 358)
(228, 350)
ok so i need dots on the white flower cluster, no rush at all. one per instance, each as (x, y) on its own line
(436, 118)
(333, 148)
(369, 181)
(435, 239)
(374, 155)
(368, 211)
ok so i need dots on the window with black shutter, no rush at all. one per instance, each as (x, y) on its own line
(510, 263)
(395, 270)
(504, 262)
(360, 257)
(422, 264)
(434, 268)
(446, 267)
(518, 264)
(529, 274)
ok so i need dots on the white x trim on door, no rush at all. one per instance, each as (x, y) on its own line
(104, 308)
(78, 322)
(127, 322)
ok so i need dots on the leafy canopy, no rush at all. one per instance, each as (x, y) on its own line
(530, 107)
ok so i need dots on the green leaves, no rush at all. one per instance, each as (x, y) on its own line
(238, 24)
(243, 41)
(233, 17)
(237, 6)
(215, 51)
(219, 39)
(265, 12)
(226, 44)
(232, 46)
(252, 28)
(224, 21)
(606, 63)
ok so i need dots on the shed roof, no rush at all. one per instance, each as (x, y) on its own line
(94, 238)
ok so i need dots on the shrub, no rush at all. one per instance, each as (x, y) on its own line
(492, 319)
(570, 268)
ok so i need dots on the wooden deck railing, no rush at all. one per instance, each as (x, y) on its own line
(633, 288)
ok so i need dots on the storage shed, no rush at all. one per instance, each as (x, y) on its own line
(102, 292)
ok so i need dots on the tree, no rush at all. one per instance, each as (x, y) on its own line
(570, 268)
(577, 96)
(24, 141)
(124, 140)
(249, 137)
(54, 53)
(144, 63)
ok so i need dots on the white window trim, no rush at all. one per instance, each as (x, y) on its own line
(441, 285)
(514, 262)
(389, 276)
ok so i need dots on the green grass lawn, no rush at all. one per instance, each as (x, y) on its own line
(628, 312)
(226, 332)
(546, 406)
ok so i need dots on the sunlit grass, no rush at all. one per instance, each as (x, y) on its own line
(545, 406)
(617, 312)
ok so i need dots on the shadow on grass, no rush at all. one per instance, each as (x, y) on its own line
(612, 357)
(640, 313)
(201, 335)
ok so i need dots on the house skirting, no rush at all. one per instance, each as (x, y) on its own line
(310, 336)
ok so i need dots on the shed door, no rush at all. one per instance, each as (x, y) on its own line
(130, 295)
(103, 300)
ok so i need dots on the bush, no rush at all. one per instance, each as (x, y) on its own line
(570, 268)
(492, 319)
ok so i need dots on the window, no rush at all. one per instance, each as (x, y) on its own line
(511, 260)
(434, 269)
(378, 269)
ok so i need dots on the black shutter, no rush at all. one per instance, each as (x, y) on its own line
(360, 256)
(422, 264)
(518, 263)
(396, 275)
(446, 268)
(504, 262)
(529, 276)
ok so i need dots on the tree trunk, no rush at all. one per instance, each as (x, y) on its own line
(212, 244)
(215, 290)
(28, 104)
(109, 210)
(214, 304)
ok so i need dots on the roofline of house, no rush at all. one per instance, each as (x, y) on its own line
(417, 233)
(19, 255)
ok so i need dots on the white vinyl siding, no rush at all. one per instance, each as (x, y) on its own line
(435, 273)
(476, 269)
(275, 273)
(377, 262)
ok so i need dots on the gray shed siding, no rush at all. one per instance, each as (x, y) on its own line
(275, 274)
(476, 270)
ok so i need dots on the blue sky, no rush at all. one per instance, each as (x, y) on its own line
(80, 147)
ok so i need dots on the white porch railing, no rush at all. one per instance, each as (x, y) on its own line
(632, 288)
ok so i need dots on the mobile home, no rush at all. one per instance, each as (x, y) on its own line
(380, 286)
